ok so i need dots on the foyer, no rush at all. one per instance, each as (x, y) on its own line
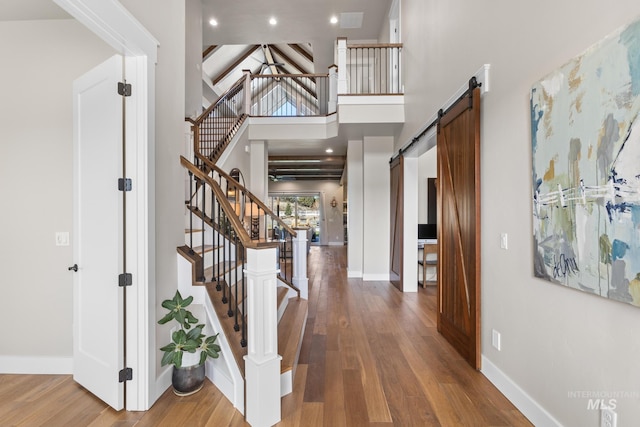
(371, 356)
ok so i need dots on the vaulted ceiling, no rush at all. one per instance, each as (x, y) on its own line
(301, 42)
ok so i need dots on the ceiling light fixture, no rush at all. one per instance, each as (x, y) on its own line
(329, 150)
(273, 21)
(213, 22)
(334, 20)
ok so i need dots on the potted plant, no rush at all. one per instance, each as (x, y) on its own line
(186, 341)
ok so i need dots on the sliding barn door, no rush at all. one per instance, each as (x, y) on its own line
(459, 226)
(397, 217)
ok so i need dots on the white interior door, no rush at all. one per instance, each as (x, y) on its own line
(98, 337)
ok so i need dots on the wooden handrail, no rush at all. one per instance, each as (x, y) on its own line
(276, 76)
(252, 197)
(206, 112)
(224, 204)
(377, 45)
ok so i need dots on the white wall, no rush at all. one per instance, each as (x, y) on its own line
(193, 58)
(355, 206)
(331, 218)
(554, 340)
(376, 207)
(167, 25)
(40, 60)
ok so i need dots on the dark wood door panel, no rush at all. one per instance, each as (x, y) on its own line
(459, 226)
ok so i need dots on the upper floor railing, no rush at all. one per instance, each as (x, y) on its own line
(290, 95)
(369, 69)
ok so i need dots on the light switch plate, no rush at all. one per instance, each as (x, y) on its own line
(62, 238)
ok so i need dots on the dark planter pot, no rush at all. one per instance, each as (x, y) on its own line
(187, 380)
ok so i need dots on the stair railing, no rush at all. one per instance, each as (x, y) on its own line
(260, 223)
(222, 228)
(219, 123)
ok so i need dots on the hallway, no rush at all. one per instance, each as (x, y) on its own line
(371, 356)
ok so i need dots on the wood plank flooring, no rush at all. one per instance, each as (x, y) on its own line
(371, 356)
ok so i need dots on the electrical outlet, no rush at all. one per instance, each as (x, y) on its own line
(608, 418)
(504, 241)
(495, 339)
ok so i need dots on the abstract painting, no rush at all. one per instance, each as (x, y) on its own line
(585, 137)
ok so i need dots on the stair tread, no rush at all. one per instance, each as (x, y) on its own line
(282, 294)
(207, 248)
(226, 267)
(290, 331)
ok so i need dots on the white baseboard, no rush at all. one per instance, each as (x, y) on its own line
(36, 365)
(163, 382)
(525, 404)
(222, 381)
(336, 243)
(384, 277)
(354, 274)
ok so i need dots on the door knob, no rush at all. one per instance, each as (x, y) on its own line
(74, 267)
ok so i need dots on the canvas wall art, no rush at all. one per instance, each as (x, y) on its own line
(585, 134)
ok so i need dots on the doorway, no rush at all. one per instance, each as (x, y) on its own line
(300, 210)
(118, 28)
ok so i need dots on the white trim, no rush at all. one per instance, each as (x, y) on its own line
(512, 391)
(114, 24)
(346, 99)
(163, 382)
(36, 365)
(232, 388)
(117, 27)
(336, 243)
(354, 274)
(305, 120)
(381, 277)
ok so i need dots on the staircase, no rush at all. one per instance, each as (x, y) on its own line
(242, 263)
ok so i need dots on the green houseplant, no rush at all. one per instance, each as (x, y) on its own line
(190, 339)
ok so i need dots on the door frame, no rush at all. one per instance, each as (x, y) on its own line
(110, 21)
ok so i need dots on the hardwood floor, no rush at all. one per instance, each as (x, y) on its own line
(371, 356)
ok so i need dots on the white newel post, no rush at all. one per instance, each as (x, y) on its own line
(247, 92)
(333, 89)
(342, 65)
(300, 279)
(262, 362)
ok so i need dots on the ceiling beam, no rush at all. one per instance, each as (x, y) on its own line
(293, 159)
(287, 59)
(269, 61)
(302, 51)
(235, 64)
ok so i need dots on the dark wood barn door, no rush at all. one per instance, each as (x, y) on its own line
(397, 225)
(459, 226)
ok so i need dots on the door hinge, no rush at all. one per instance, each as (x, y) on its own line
(125, 279)
(124, 89)
(124, 184)
(125, 374)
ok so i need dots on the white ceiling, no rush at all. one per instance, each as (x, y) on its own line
(26, 10)
(299, 21)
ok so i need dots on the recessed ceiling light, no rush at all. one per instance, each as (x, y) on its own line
(213, 22)
(273, 21)
(328, 150)
(334, 19)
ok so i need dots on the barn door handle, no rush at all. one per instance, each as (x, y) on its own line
(74, 267)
